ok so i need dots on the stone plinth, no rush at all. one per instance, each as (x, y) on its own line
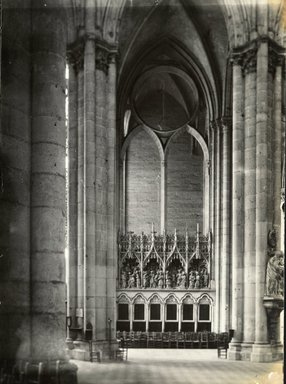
(274, 306)
(103, 350)
(273, 350)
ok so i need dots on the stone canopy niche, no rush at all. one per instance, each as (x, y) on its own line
(164, 262)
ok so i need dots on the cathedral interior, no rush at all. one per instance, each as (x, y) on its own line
(142, 186)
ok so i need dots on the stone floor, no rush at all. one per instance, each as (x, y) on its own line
(178, 366)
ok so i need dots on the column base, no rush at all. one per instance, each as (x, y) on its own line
(52, 372)
(246, 350)
(103, 350)
(266, 353)
(234, 352)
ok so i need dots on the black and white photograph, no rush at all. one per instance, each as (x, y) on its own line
(142, 191)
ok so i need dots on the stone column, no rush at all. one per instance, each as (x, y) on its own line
(112, 208)
(101, 193)
(212, 209)
(15, 181)
(217, 227)
(48, 313)
(249, 203)
(225, 227)
(237, 208)
(262, 190)
(80, 203)
(122, 176)
(277, 147)
(72, 189)
(90, 194)
(89, 177)
(196, 316)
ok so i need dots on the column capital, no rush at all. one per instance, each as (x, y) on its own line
(105, 53)
(275, 58)
(75, 54)
(246, 55)
(222, 124)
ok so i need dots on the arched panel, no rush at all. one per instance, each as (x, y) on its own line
(142, 184)
(204, 299)
(185, 183)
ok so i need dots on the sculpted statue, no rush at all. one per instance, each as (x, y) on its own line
(206, 278)
(192, 279)
(145, 279)
(123, 279)
(160, 278)
(275, 275)
(183, 280)
(132, 281)
(152, 279)
(168, 280)
(197, 282)
(138, 279)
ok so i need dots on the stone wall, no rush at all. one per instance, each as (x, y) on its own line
(142, 185)
(184, 187)
(184, 184)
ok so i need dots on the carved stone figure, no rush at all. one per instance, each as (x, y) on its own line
(131, 281)
(138, 279)
(179, 278)
(275, 275)
(160, 279)
(197, 282)
(192, 279)
(152, 279)
(145, 279)
(183, 280)
(206, 278)
(168, 280)
(123, 279)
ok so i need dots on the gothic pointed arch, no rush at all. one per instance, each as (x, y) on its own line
(137, 130)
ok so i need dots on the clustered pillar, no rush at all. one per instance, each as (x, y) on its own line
(256, 170)
(94, 311)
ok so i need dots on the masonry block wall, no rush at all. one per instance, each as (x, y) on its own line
(142, 185)
(184, 187)
(184, 184)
